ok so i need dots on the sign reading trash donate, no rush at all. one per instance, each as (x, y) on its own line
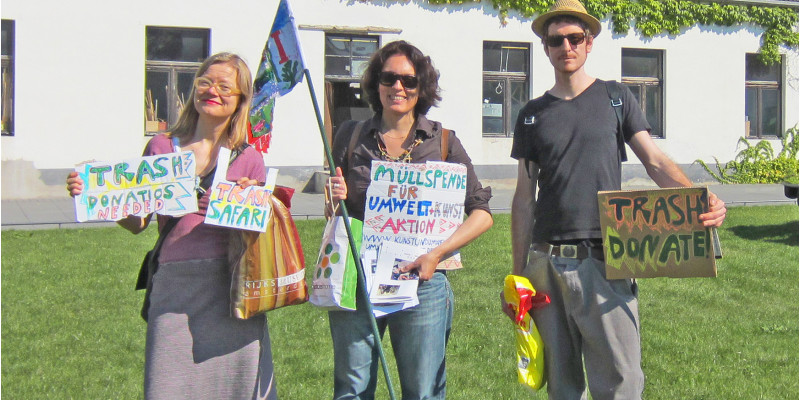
(415, 204)
(162, 184)
(656, 233)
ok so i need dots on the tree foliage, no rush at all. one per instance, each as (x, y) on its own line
(656, 17)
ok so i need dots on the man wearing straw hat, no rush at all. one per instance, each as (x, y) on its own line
(569, 142)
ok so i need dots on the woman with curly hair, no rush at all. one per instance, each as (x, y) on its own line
(401, 86)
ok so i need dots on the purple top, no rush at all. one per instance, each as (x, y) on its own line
(191, 239)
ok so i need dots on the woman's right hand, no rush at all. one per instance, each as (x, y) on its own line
(74, 184)
(337, 186)
(335, 191)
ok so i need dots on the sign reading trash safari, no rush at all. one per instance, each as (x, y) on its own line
(656, 233)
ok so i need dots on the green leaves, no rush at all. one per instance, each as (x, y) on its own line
(758, 163)
(290, 72)
(654, 17)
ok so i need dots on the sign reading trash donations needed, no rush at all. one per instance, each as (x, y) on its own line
(233, 206)
(656, 233)
(162, 184)
(420, 205)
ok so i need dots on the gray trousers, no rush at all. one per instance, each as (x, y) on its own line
(590, 319)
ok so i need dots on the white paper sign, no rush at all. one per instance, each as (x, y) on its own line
(419, 205)
(233, 206)
(163, 184)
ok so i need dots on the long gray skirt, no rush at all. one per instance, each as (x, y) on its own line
(195, 349)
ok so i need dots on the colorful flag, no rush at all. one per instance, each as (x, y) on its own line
(280, 69)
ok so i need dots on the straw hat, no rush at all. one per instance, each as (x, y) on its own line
(565, 7)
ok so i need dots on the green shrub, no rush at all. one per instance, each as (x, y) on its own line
(758, 163)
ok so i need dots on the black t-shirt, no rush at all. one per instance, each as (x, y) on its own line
(574, 143)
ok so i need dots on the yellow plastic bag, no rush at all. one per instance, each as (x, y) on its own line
(521, 297)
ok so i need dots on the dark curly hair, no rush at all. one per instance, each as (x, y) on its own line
(428, 89)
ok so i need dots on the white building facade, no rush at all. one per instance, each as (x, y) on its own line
(79, 72)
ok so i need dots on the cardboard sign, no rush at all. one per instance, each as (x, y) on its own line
(162, 184)
(233, 206)
(415, 204)
(656, 233)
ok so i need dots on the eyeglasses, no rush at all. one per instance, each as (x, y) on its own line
(389, 78)
(203, 84)
(573, 38)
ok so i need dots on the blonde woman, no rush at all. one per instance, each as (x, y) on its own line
(195, 349)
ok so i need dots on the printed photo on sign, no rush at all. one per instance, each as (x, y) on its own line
(397, 275)
(162, 184)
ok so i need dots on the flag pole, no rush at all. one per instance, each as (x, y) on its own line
(353, 249)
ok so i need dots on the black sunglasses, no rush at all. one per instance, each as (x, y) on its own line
(389, 78)
(557, 40)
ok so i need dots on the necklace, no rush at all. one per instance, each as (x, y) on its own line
(404, 158)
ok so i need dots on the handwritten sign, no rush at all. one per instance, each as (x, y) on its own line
(233, 206)
(414, 204)
(656, 233)
(162, 184)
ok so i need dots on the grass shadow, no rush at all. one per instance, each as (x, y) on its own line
(786, 233)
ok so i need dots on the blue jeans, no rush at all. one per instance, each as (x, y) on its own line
(419, 336)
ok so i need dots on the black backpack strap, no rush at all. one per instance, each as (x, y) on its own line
(613, 89)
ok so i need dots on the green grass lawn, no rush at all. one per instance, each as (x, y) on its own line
(71, 325)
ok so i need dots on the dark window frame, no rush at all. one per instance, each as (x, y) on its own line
(7, 61)
(346, 89)
(352, 77)
(505, 80)
(172, 69)
(756, 125)
(639, 85)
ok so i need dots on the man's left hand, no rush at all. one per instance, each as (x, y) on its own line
(716, 212)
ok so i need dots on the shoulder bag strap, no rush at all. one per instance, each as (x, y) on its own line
(445, 143)
(145, 274)
(207, 180)
(613, 89)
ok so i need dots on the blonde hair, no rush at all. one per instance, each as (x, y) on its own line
(238, 122)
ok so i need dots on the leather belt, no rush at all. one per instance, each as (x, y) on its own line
(569, 251)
